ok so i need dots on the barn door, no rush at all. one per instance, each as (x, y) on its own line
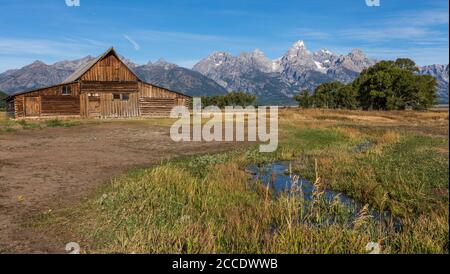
(32, 106)
(94, 106)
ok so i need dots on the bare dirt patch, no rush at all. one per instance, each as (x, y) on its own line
(44, 169)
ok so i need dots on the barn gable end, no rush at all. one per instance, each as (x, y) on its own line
(107, 67)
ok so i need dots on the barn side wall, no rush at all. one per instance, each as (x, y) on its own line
(158, 102)
(48, 102)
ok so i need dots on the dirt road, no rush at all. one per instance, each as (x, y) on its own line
(53, 167)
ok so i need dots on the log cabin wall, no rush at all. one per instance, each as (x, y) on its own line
(158, 102)
(18, 106)
(49, 102)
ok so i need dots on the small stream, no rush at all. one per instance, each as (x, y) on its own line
(279, 178)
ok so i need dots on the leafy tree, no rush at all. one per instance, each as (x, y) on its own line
(346, 97)
(332, 95)
(304, 99)
(231, 99)
(392, 85)
(407, 64)
(424, 92)
(324, 95)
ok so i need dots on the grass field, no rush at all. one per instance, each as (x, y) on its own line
(393, 162)
(8, 125)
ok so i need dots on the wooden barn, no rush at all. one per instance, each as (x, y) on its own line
(104, 88)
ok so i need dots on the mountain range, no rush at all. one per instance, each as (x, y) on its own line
(277, 81)
(161, 73)
(272, 81)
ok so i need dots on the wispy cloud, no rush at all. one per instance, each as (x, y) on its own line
(419, 18)
(387, 33)
(16, 52)
(23, 46)
(180, 37)
(133, 42)
(421, 27)
(310, 34)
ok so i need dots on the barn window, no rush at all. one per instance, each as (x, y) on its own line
(121, 96)
(66, 90)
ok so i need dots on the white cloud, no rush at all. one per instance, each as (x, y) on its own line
(311, 34)
(411, 26)
(419, 18)
(133, 42)
(44, 47)
(16, 52)
(387, 33)
(179, 37)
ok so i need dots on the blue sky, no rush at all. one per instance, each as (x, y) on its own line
(184, 31)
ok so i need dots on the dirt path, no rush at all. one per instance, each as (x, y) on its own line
(41, 169)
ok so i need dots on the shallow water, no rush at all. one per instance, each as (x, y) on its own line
(278, 177)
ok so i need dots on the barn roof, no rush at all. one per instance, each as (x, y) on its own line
(82, 70)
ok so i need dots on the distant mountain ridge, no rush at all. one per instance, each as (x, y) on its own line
(280, 79)
(272, 81)
(177, 78)
(441, 74)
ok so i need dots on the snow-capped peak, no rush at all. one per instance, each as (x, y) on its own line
(299, 44)
(298, 50)
(320, 66)
(258, 52)
(325, 51)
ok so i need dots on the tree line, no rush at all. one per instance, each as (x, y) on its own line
(231, 99)
(388, 85)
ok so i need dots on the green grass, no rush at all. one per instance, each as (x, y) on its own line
(10, 125)
(208, 204)
(169, 209)
(62, 123)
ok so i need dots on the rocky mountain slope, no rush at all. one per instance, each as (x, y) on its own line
(177, 78)
(441, 74)
(279, 80)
